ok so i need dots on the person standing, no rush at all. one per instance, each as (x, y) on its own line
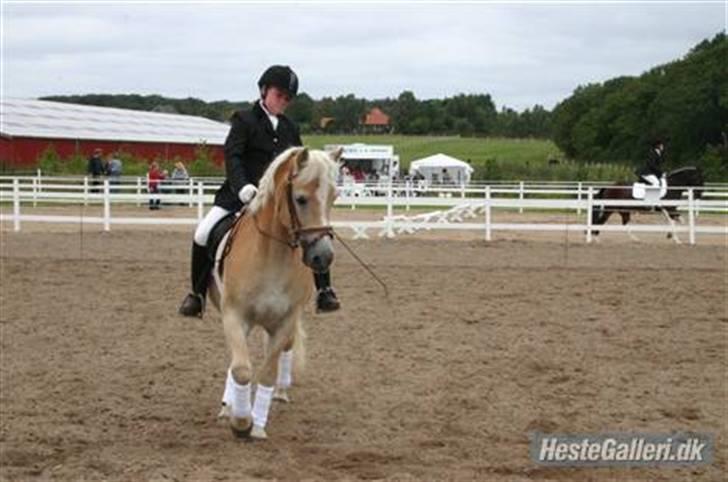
(114, 169)
(154, 178)
(95, 168)
(256, 137)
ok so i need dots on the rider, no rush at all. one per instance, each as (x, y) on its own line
(256, 137)
(651, 172)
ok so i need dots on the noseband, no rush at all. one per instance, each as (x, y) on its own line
(296, 231)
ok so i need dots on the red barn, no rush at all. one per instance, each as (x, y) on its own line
(29, 127)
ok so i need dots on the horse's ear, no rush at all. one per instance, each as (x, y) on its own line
(300, 160)
(336, 155)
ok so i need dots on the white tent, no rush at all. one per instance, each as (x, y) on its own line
(433, 168)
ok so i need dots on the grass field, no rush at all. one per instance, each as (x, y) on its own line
(492, 158)
(477, 150)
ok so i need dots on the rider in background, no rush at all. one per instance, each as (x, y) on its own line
(256, 137)
(651, 172)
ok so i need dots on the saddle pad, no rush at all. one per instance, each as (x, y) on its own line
(644, 191)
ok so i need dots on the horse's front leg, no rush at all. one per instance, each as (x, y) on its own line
(268, 374)
(626, 216)
(237, 385)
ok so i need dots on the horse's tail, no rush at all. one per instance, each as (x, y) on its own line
(299, 347)
(598, 210)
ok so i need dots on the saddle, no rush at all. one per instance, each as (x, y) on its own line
(648, 192)
(220, 239)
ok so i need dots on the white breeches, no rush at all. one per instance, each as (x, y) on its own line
(208, 222)
(652, 179)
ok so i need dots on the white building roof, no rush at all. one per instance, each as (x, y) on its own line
(58, 120)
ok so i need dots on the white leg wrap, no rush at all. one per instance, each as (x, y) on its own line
(227, 395)
(285, 369)
(261, 407)
(240, 406)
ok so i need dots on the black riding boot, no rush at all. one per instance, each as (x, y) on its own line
(194, 303)
(326, 297)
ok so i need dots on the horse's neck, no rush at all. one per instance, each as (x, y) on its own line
(272, 236)
(686, 176)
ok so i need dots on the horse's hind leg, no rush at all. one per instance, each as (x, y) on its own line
(672, 234)
(237, 386)
(625, 222)
(285, 374)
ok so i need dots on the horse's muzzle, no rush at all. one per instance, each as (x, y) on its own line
(318, 254)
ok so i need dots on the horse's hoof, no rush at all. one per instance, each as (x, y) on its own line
(241, 427)
(258, 433)
(281, 394)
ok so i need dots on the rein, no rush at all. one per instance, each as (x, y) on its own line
(364, 265)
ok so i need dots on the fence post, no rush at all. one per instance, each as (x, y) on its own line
(407, 193)
(200, 201)
(139, 191)
(35, 192)
(578, 198)
(691, 214)
(85, 190)
(390, 202)
(589, 220)
(520, 197)
(107, 206)
(40, 181)
(488, 236)
(192, 192)
(16, 205)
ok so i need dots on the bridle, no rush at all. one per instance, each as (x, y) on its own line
(296, 230)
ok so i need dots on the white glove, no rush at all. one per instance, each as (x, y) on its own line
(247, 193)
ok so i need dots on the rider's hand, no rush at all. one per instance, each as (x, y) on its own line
(247, 193)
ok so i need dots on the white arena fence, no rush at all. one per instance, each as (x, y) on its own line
(461, 207)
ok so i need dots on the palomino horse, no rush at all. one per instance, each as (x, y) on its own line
(678, 182)
(284, 234)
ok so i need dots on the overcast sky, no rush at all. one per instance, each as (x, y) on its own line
(522, 54)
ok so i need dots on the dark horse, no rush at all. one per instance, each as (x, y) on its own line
(678, 182)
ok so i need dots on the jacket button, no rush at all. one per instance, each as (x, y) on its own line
(275, 139)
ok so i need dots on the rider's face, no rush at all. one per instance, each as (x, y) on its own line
(276, 100)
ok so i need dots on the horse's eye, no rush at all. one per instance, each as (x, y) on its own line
(301, 200)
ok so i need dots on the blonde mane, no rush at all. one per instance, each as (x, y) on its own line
(319, 165)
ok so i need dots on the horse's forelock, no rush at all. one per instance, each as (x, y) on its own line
(318, 165)
(321, 166)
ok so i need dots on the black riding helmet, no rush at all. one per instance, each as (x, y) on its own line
(280, 76)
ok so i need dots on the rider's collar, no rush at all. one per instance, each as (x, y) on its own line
(273, 118)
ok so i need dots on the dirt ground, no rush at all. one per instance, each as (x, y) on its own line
(477, 346)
